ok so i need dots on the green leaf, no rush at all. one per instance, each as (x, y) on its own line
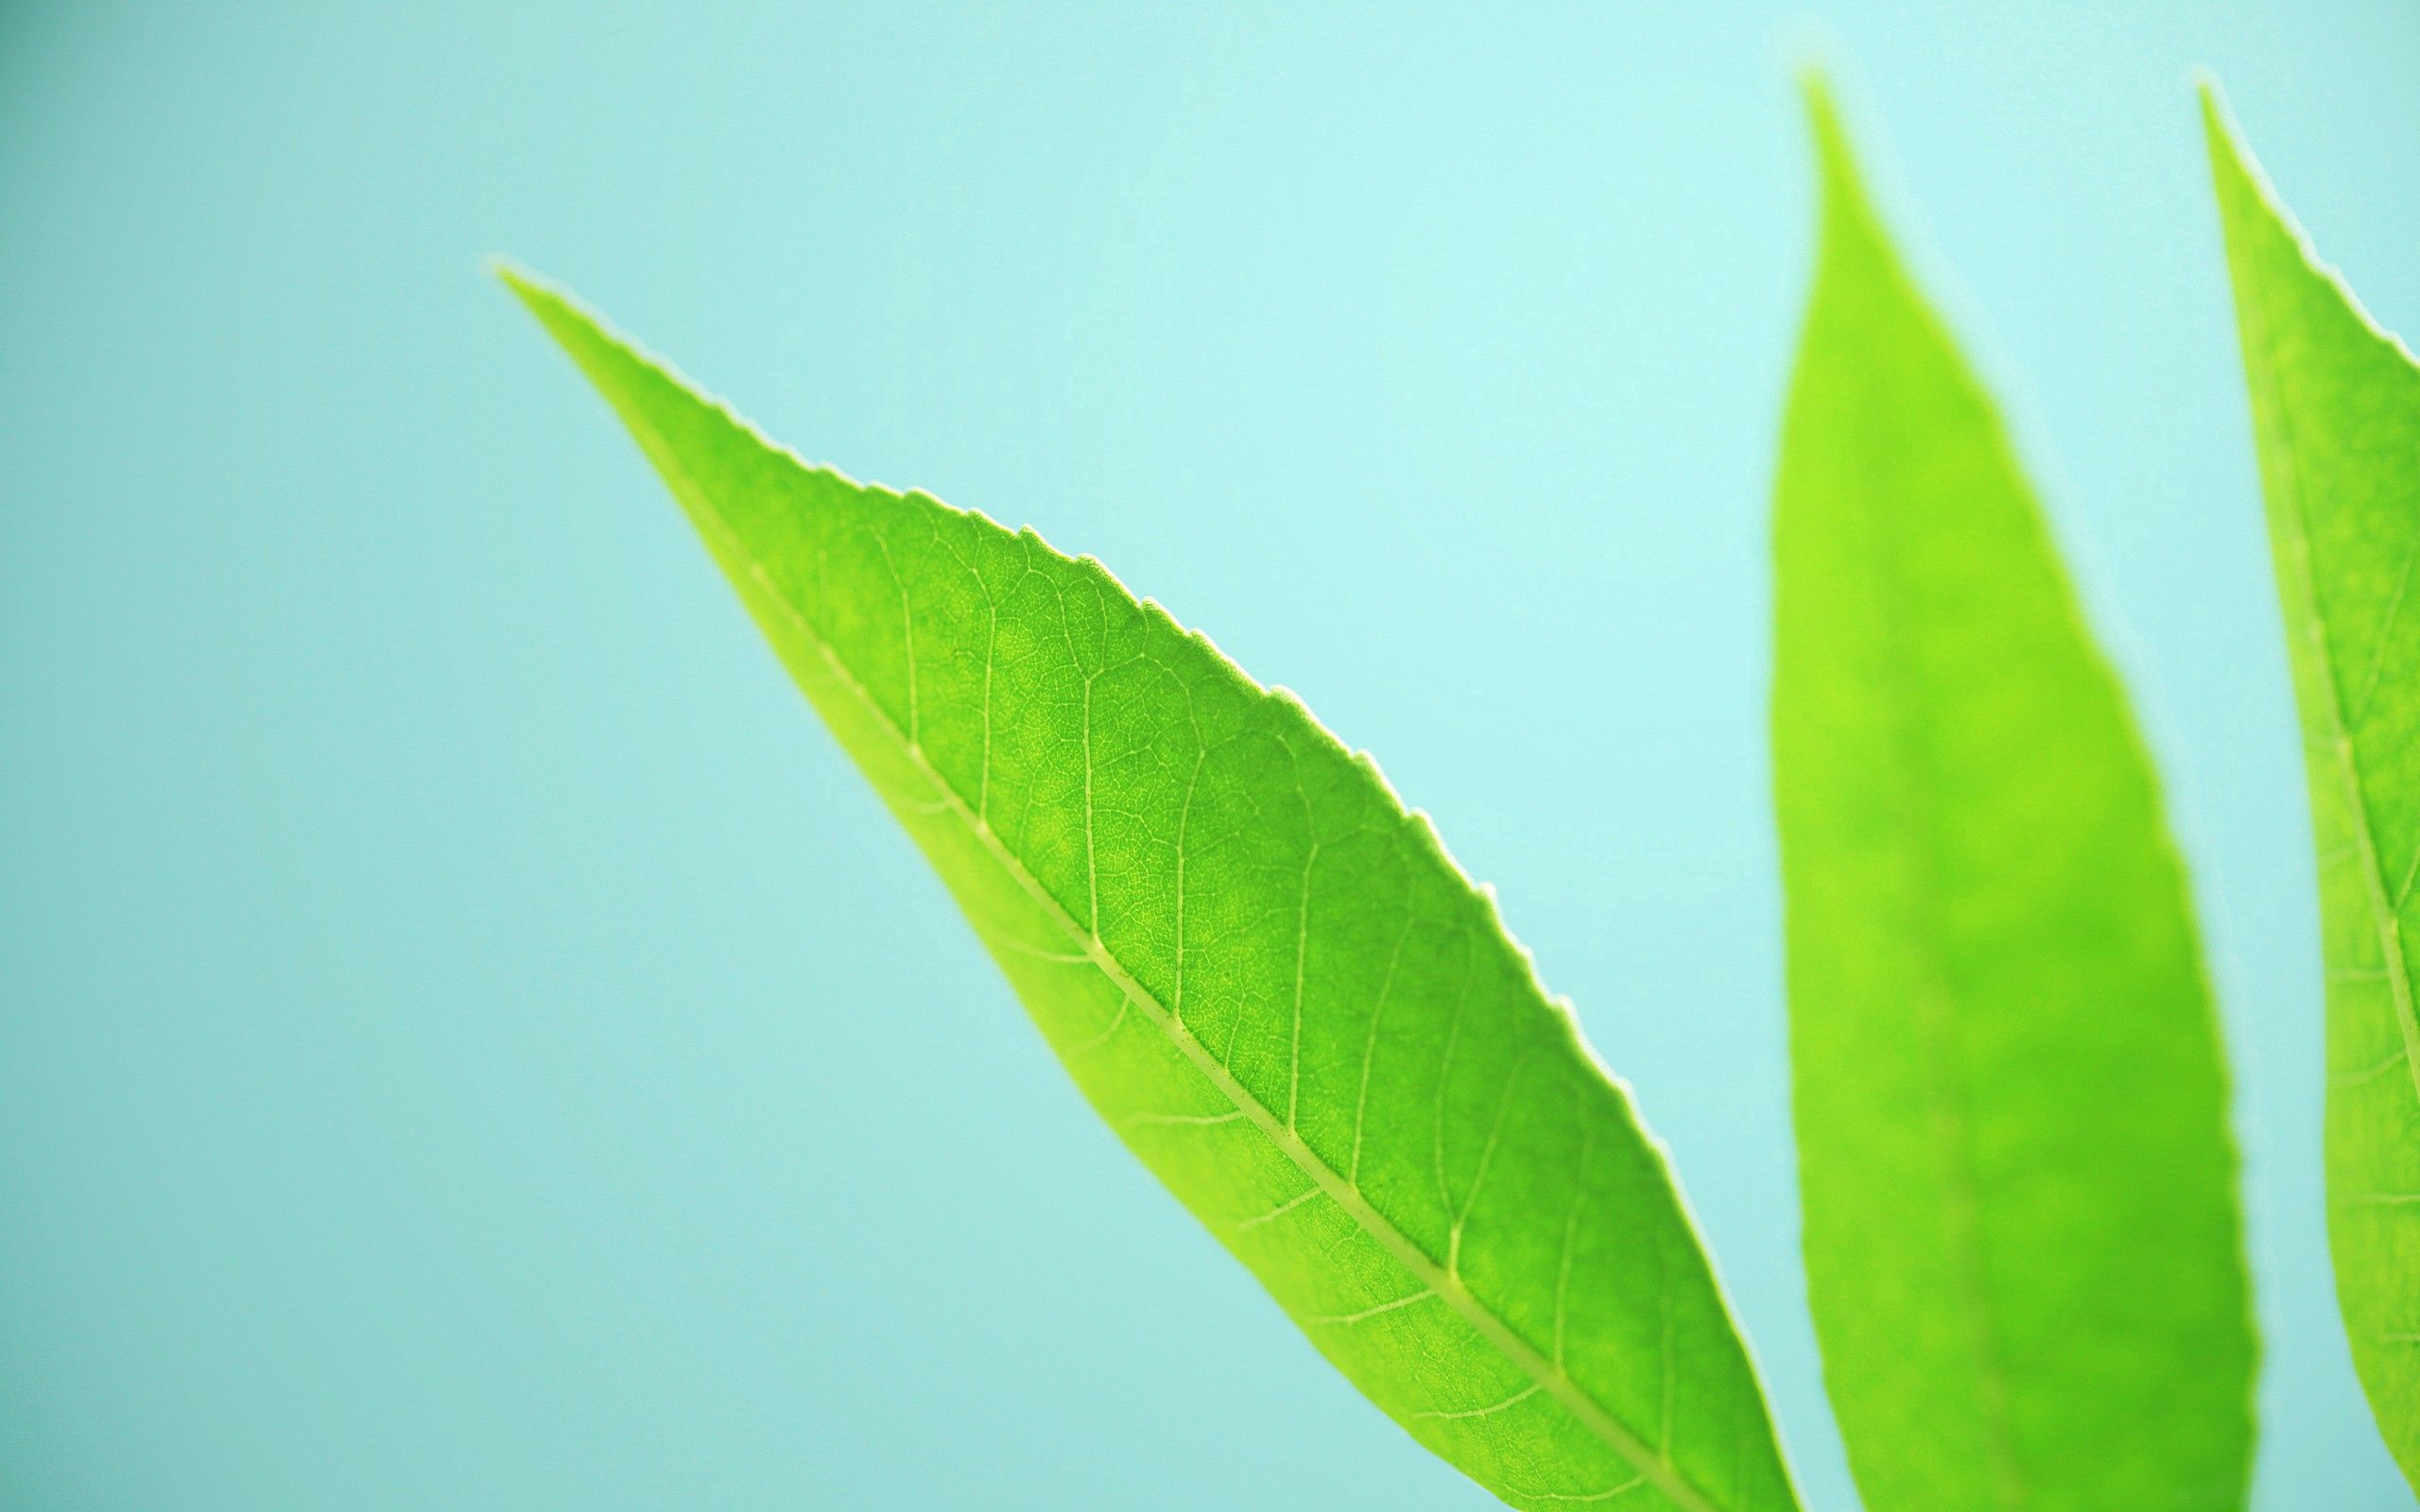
(1268, 977)
(2023, 1249)
(2336, 408)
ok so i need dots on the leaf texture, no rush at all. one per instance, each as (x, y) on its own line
(2336, 411)
(2023, 1247)
(1268, 977)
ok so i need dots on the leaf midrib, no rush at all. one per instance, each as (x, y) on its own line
(1592, 1415)
(1950, 1122)
(1937, 1015)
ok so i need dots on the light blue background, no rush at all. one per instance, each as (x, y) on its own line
(466, 1038)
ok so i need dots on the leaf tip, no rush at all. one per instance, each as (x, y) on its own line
(1811, 54)
(542, 296)
(594, 343)
(2228, 153)
(2244, 193)
(1843, 187)
(1820, 98)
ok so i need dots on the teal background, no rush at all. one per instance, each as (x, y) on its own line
(466, 1038)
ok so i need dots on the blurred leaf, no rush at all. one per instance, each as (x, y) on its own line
(1270, 979)
(2336, 407)
(2023, 1249)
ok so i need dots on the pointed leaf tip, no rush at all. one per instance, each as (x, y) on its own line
(1823, 124)
(2231, 158)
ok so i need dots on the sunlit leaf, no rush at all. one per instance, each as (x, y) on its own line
(1268, 977)
(2335, 408)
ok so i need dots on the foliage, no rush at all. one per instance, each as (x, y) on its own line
(2022, 1234)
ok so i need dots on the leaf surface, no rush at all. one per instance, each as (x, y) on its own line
(2336, 411)
(2023, 1247)
(1268, 977)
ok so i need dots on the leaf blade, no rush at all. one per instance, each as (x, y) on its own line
(2336, 408)
(1293, 1008)
(2022, 1241)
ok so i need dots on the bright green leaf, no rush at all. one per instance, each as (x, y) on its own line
(2336, 407)
(2023, 1247)
(1270, 979)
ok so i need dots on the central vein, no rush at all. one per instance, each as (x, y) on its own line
(1550, 1377)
